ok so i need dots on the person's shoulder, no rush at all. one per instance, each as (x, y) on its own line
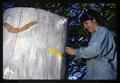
(104, 29)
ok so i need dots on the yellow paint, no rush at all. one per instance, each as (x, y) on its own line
(55, 52)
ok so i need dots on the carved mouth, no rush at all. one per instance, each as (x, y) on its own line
(12, 29)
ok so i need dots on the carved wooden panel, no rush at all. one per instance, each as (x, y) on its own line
(33, 44)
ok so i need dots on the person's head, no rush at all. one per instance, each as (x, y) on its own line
(91, 19)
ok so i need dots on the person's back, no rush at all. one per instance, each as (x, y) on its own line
(101, 51)
(103, 66)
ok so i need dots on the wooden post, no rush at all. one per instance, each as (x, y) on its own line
(33, 44)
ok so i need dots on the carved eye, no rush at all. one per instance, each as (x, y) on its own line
(12, 29)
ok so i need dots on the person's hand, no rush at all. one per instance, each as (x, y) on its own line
(70, 51)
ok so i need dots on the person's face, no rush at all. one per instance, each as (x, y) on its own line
(90, 25)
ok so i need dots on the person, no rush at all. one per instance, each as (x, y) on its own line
(101, 52)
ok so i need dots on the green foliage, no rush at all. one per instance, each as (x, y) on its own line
(106, 10)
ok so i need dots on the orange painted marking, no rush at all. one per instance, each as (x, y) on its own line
(12, 29)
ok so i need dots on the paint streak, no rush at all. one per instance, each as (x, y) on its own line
(12, 29)
(55, 52)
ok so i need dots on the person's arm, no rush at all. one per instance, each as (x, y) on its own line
(94, 47)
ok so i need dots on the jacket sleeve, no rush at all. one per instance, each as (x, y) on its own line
(94, 47)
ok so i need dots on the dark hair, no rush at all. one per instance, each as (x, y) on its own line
(92, 14)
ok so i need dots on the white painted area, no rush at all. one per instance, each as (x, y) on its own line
(25, 54)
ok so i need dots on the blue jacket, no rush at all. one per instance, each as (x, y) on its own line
(101, 55)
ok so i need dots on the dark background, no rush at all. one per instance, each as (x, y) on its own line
(75, 30)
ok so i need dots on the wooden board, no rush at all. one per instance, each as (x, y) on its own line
(28, 33)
